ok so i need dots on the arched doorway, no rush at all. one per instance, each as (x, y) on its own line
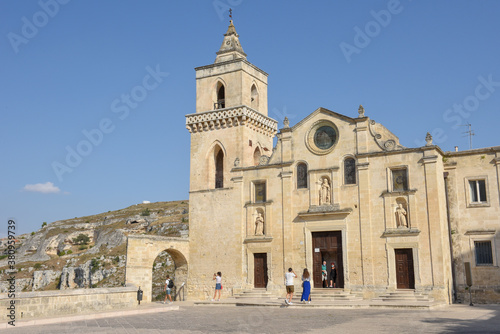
(166, 264)
(143, 250)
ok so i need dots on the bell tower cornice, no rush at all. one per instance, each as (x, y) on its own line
(231, 117)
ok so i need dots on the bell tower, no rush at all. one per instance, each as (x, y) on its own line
(230, 127)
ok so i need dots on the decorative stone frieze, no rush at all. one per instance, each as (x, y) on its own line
(229, 117)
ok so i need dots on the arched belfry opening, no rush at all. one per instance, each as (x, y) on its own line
(254, 98)
(256, 156)
(219, 167)
(221, 96)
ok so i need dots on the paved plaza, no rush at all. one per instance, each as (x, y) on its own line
(237, 319)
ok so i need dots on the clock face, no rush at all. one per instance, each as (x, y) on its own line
(325, 137)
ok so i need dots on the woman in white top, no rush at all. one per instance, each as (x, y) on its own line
(218, 284)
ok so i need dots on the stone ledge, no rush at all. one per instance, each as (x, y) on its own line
(257, 239)
(325, 210)
(68, 293)
(400, 232)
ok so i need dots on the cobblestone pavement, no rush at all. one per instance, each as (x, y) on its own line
(234, 319)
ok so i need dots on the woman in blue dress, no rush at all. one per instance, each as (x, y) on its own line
(306, 285)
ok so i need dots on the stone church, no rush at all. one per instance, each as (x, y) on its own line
(335, 188)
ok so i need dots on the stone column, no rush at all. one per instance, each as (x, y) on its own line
(437, 225)
(365, 225)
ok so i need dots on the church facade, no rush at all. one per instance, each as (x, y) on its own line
(335, 188)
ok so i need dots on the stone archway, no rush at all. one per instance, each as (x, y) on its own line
(142, 250)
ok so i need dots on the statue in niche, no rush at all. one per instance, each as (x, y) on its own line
(401, 220)
(324, 193)
(259, 224)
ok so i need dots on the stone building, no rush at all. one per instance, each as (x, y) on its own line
(335, 188)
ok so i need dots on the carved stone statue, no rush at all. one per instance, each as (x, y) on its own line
(286, 122)
(428, 139)
(361, 111)
(259, 225)
(401, 220)
(324, 193)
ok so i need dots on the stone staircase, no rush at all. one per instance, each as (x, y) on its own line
(408, 299)
(255, 294)
(403, 295)
(327, 295)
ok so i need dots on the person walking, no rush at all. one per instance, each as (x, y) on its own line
(333, 276)
(289, 276)
(306, 287)
(218, 284)
(169, 284)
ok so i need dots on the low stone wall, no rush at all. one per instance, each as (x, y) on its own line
(480, 294)
(64, 302)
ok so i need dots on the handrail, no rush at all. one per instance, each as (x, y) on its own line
(177, 292)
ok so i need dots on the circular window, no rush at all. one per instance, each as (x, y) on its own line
(325, 137)
(322, 137)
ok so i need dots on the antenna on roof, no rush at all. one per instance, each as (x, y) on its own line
(469, 133)
(230, 14)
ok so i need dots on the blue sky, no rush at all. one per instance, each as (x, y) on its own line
(68, 67)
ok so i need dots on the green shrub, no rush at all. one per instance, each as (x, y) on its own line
(2, 257)
(61, 253)
(82, 247)
(145, 212)
(94, 265)
(81, 239)
(44, 224)
(37, 266)
(69, 251)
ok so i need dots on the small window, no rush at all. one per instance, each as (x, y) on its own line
(350, 171)
(301, 175)
(256, 156)
(477, 191)
(399, 180)
(484, 255)
(254, 98)
(221, 97)
(219, 169)
(259, 192)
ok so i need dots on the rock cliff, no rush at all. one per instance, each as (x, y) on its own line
(58, 257)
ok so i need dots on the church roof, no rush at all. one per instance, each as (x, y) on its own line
(231, 48)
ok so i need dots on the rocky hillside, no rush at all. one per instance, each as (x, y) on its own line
(89, 252)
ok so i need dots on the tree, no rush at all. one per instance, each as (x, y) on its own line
(81, 239)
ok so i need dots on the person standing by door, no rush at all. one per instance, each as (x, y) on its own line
(333, 276)
(324, 275)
